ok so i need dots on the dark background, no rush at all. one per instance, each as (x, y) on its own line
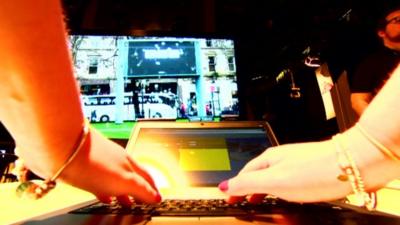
(270, 36)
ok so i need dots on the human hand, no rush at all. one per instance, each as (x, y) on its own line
(107, 171)
(294, 172)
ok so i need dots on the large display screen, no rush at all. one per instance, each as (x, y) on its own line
(166, 58)
(126, 78)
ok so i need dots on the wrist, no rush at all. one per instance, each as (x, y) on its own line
(36, 189)
(95, 147)
(376, 169)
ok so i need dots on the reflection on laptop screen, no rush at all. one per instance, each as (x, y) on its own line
(197, 157)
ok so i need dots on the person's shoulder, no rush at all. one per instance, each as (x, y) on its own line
(370, 65)
(377, 56)
(387, 52)
(377, 53)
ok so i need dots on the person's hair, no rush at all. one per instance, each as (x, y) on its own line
(381, 21)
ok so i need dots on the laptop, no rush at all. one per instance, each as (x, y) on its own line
(188, 160)
(195, 157)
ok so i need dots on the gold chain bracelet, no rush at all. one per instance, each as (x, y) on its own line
(37, 189)
(386, 151)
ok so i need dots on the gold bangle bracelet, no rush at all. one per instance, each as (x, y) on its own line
(386, 151)
(37, 189)
(353, 175)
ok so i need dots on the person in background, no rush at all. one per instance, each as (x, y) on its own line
(373, 71)
(40, 106)
(363, 158)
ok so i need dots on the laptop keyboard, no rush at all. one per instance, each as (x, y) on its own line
(213, 207)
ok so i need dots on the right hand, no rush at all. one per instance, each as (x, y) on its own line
(108, 171)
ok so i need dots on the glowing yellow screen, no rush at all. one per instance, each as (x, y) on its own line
(198, 159)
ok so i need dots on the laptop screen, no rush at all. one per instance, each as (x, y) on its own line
(197, 156)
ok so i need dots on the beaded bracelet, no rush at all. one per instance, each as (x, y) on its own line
(353, 175)
(37, 189)
(377, 144)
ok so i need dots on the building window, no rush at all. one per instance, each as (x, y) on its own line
(211, 63)
(208, 43)
(231, 63)
(93, 64)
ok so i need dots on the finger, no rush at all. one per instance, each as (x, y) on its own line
(249, 183)
(235, 199)
(104, 199)
(140, 189)
(142, 172)
(124, 200)
(223, 186)
(256, 198)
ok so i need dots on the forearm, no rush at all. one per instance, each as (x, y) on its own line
(381, 119)
(38, 106)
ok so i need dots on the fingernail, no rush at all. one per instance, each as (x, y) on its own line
(158, 197)
(223, 186)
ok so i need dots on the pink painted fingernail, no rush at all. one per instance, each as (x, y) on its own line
(158, 197)
(223, 186)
